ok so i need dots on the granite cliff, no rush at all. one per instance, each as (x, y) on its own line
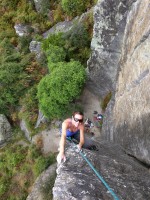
(128, 114)
(120, 64)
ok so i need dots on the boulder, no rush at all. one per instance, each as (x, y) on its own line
(23, 30)
(24, 128)
(5, 129)
(42, 6)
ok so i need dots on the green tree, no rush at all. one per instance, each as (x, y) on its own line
(13, 77)
(53, 39)
(78, 43)
(73, 7)
(57, 90)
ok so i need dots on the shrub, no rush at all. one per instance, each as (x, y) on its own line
(105, 101)
(53, 39)
(29, 111)
(4, 185)
(78, 43)
(41, 164)
(55, 54)
(72, 7)
(16, 174)
(57, 90)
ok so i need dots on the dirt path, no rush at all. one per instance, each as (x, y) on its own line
(50, 139)
(91, 103)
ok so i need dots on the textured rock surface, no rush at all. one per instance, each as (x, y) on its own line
(35, 47)
(5, 129)
(24, 128)
(76, 181)
(42, 6)
(109, 25)
(22, 30)
(66, 25)
(128, 115)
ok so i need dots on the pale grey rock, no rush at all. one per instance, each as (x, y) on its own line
(35, 47)
(24, 128)
(127, 119)
(41, 187)
(41, 119)
(22, 30)
(59, 27)
(109, 25)
(66, 25)
(125, 176)
(5, 129)
(42, 6)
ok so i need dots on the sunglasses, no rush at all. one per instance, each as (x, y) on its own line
(78, 120)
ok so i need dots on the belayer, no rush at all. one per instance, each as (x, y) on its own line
(74, 128)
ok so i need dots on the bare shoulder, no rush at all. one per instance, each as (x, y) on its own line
(66, 123)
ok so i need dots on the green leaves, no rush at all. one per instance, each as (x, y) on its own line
(12, 77)
(72, 7)
(57, 90)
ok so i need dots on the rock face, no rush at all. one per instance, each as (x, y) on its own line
(127, 178)
(35, 47)
(42, 6)
(22, 30)
(128, 115)
(109, 24)
(5, 129)
(25, 130)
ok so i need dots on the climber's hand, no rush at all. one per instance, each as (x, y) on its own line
(61, 158)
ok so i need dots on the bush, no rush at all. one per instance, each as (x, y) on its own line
(41, 164)
(57, 90)
(105, 101)
(73, 7)
(4, 185)
(29, 111)
(53, 39)
(16, 174)
(55, 54)
(78, 43)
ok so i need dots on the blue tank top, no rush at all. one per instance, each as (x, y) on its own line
(69, 133)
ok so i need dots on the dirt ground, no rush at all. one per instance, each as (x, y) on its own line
(49, 140)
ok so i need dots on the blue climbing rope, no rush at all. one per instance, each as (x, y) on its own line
(96, 172)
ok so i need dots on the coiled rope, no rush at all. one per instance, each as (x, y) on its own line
(96, 172)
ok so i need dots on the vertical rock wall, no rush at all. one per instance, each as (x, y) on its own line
(109, 25)
(127, 119)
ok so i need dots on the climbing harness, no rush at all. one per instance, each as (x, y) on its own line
(96, 172)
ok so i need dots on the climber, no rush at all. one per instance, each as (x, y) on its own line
(74, 128)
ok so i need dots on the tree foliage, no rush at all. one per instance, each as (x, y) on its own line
(57, 90)
(73, 44)
(11, 77)
(76, 7)
(18, 72)
(72, 7)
